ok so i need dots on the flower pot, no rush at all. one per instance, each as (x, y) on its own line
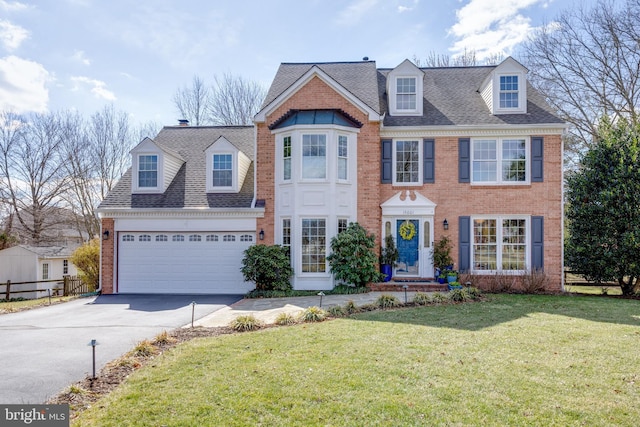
(451, 279)
(441, 280)
(387, 271)
(452, 287)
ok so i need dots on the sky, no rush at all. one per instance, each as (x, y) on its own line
(85, 54)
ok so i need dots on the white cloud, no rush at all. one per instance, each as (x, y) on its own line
(23, 85)
(13, 6)
(402, 8)
(79, 56)
(97, 87)
(11, 36)
(355, 12)
(491, 26)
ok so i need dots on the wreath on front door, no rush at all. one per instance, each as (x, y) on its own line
(407, 230)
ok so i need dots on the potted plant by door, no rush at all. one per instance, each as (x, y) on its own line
(388, 257)
(442, 255)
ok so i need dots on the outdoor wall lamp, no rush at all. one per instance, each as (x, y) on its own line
(261, 234)
(445, 224)
(105, 235)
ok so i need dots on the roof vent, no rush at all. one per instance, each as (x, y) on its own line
(366, 58)
(183, 122)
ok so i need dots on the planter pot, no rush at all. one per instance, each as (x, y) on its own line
(451, 279)
(387, 271)
(441, 280)
(451, 287)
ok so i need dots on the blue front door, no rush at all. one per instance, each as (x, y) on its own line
(407, 235)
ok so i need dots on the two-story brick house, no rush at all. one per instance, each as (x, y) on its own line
(473, 153)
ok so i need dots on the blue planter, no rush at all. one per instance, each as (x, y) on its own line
(441, 280)
(450, 287)
(387, 271)
(451, 279)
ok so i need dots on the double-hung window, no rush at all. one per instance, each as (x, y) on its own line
(407, 162)
(222, 170)
(343, 156)
(500, 244)
(314, 156)
(148, 171)
(286, 235)
(509, 92)
(406, 93)
(314, 236)
(286, 158)
(500, 161)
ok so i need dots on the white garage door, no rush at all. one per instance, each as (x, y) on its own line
(182, 263)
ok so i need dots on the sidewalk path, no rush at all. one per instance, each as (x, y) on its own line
(267, 309)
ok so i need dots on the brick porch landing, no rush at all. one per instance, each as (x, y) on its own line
(420, 285)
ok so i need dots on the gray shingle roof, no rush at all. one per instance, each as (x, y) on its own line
(188, 188)
(451, 94)
(359, 78)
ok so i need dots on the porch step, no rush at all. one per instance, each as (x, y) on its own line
(412, 286)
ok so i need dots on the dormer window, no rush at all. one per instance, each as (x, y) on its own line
(406, 93)
(147, 171)
(509, 92)
(226, 167)
(222, 170)
(405, 89)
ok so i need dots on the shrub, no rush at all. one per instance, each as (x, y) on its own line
(438, 297)
(144, 348)
(347, 290)
(421, 298)
(535, 282)
(369, 307)
(336, 311)
(284, 319)
(459, 295)
(387, 301)
(350, 307)
(245, 323)
(269, 267)
(313, 314)
(87, 260)
(442, 253)
(163, 338)
(474, 293)
(352, 258)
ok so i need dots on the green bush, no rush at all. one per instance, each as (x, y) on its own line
(387, 301)
(352, 258)
(438, 297)
(474, 293)
(350, 307)
(245, 323)
(313, 314)
(459, 295)
(421, 298)
(269, 267)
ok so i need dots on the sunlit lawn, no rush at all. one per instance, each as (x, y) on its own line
(12, 306)
(511, 361)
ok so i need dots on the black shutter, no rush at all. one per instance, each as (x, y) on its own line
(537, 159)
(464, 243)
(386, 157)
(464, 160)
(429, 161)
(537, 243)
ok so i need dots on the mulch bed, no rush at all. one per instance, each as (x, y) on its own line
(84, 393)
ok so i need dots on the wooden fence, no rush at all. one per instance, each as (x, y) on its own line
(574, 278)
(66, 286)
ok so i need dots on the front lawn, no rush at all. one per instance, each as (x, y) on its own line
(27, 304)
(512, 360)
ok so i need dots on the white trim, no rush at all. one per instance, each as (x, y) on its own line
(471, 131)
(314, 71)
(419, 181)
(499, 218)
(182, 213)
(498, 161)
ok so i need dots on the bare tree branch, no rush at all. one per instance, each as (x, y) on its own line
(192, 102)
(234, 100)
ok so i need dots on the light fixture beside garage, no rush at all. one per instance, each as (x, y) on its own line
(105, 235)
(261, 234)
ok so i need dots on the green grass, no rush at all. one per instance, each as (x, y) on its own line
(513, 360)
(593, 290)
(12, 306)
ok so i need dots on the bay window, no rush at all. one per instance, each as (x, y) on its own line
(314, 245)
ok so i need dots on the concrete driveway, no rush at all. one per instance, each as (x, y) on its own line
(44, 350)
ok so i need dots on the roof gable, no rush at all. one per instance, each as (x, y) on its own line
(355, 81)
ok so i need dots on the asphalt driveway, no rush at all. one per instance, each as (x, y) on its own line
(44, 350)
